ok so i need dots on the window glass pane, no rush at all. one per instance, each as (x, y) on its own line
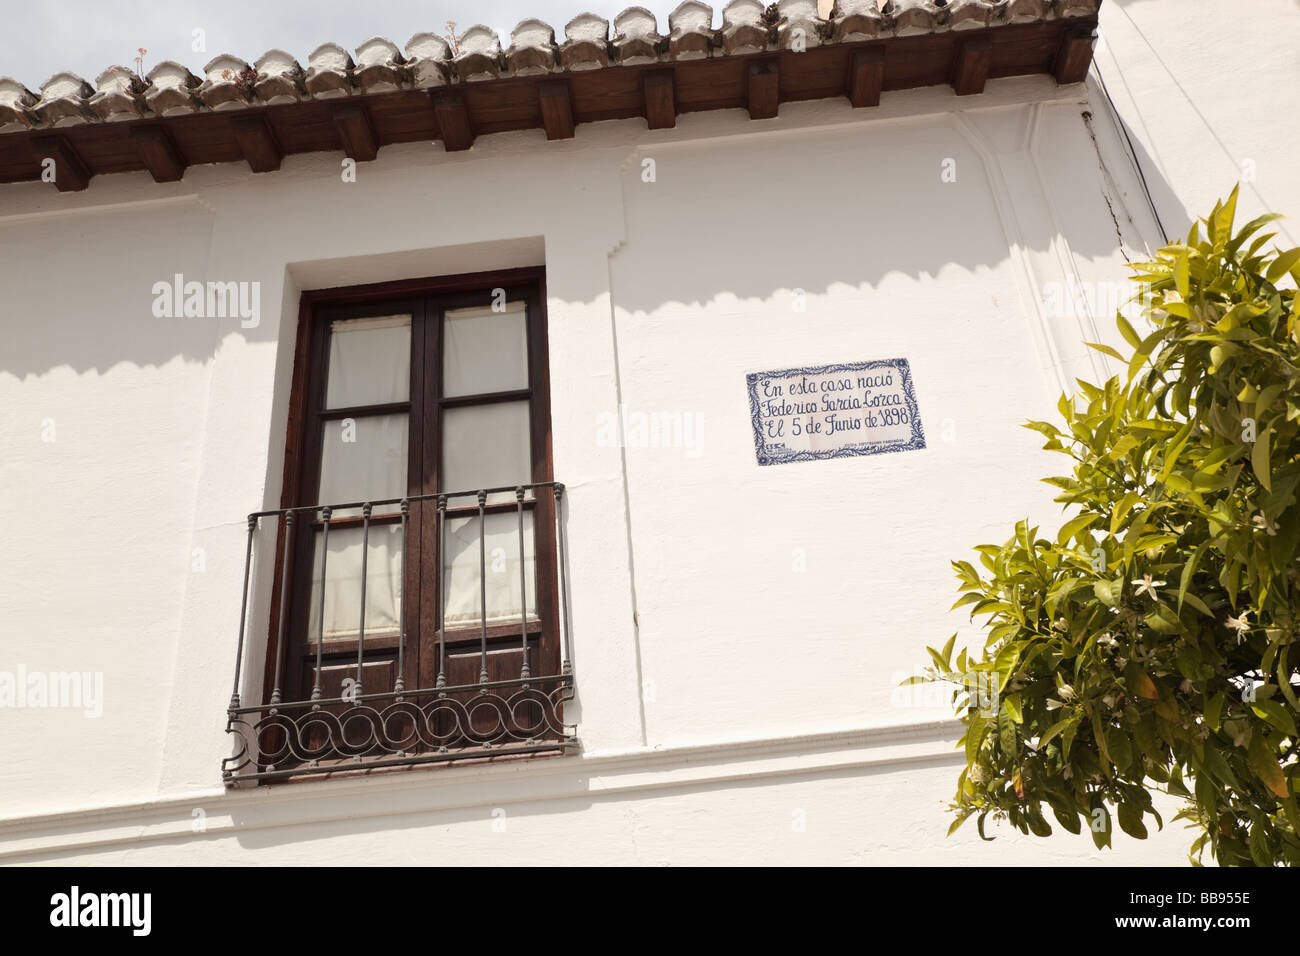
(484, 351)
(485, 446)
(364, 459)
(343, 583)
(370, 361)
(461, 569)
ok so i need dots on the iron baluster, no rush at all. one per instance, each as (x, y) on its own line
(320, 617)
(441, 601)
(566, 644)
(400, 684)
(361, 626)
(482, 586)
(284, 606)
(243, 610)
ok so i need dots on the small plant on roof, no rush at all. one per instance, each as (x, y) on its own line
(244, 79)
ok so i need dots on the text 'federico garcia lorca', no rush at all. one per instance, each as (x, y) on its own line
(833, 411)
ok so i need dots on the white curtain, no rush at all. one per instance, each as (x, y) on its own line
(370, 361)
(363, 459)
(343, 583)
(485, 446)
(484, 351)
(461, 569)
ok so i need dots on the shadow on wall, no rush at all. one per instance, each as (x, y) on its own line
(106, 309)
(1174, 217)
(720, 222)
(926, 198)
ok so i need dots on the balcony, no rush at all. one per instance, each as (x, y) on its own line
(397, 689)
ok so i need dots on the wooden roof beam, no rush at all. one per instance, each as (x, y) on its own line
(659, 92)
(159, 153)
(454, 125)
(970, 67)
(356, 132)
(71, 174)
(764, 88)
(866, 76)
(556, 102)
(1074, 57)
(257, 142)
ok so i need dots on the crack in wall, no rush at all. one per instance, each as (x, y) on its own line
(1105, 194)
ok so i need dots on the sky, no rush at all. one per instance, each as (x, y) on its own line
(88, 36)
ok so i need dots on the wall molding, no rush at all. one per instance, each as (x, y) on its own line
(642, 772)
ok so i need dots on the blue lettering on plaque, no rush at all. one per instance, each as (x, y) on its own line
(833, 411)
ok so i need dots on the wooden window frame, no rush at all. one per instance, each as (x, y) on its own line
(317, 308)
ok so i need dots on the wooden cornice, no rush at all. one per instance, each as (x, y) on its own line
(171, 120)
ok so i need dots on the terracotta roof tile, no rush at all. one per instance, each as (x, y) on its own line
(590, 43)
(170, 89)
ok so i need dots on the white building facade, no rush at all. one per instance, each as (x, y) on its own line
(734, 633)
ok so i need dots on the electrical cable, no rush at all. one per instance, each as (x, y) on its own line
(1137, 163)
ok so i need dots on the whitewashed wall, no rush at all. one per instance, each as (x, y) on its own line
(739, 631)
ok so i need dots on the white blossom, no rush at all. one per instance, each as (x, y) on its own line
(1261, 523)
(1239, 624)
(1147, 586)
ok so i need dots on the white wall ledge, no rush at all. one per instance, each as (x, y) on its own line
(640, 772)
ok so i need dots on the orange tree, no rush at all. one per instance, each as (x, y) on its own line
(1151, 645)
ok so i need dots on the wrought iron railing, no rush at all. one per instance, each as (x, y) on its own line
(402, 725)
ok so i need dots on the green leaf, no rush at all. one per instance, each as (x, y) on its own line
(1266, 399)
(1121, 749)
(1259, 458)
(1127, 330)
(1250, 229)
(1122, 509)
(1263, 761)
(1275, 714)
(1213, 710)
(1175, 449)
(1257, 841)
(1011, 704)
(947, 653)
(1223, 216)
(1057, 728)
(1282, 264)
(1037, 825)
(1123, 447)
(1073, 527)
(1105, 350)
(1130, 821)
(1068, 819)
(974, 736)
(1006, 732)
(1107, 592)
(1189, 569)
(1284, 682)
(1182, 274)
(1100, 838)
